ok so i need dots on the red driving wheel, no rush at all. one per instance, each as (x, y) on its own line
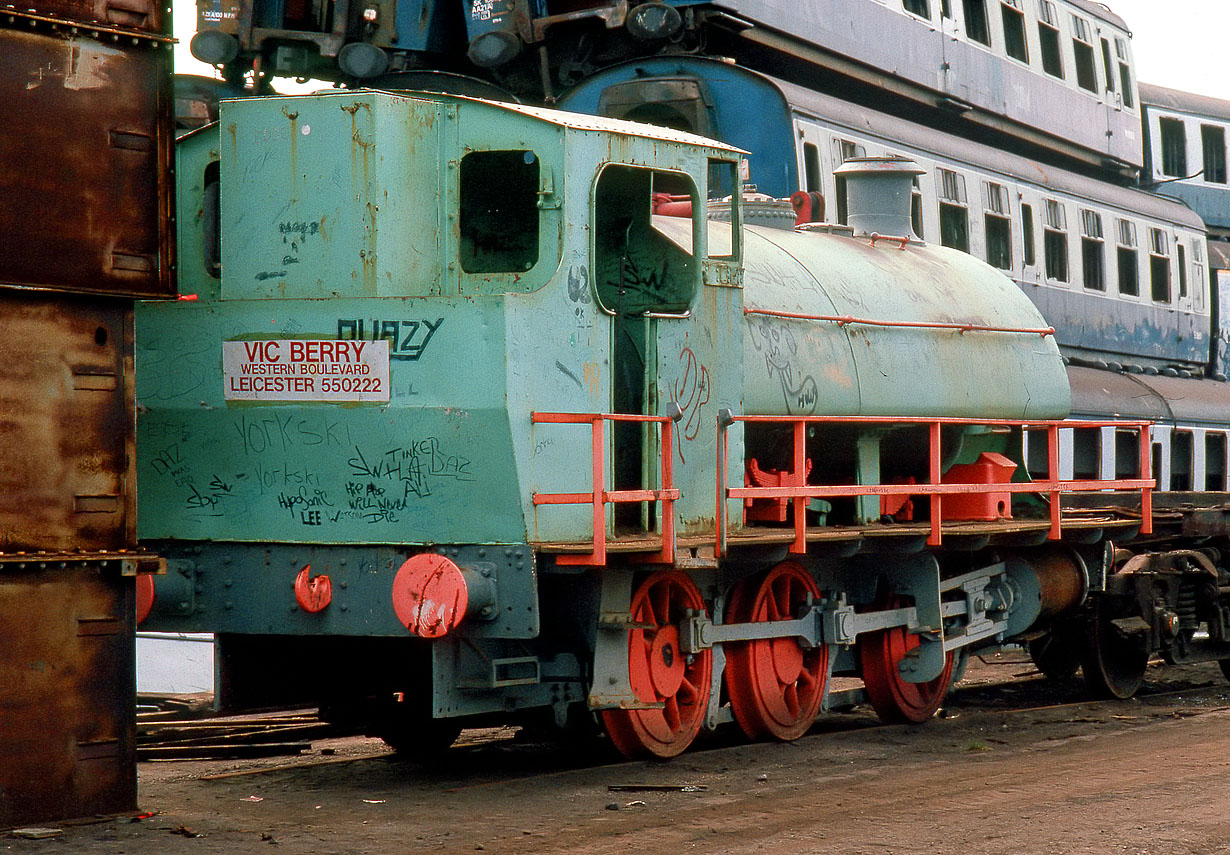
(775, 685)
(661, 673)
(894, 699)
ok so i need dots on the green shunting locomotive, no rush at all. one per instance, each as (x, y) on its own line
(493, 413)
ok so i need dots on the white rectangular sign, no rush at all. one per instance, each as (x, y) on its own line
(296, 370)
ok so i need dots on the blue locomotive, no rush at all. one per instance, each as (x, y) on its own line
(486, 411)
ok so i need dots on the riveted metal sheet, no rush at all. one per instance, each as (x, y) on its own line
(85, 204)
(67, 718)
(66, 424)
(144, 16)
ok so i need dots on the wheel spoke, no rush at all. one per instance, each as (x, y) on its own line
(661, 598)
(791, 697)
(687, 691)
(671, 713)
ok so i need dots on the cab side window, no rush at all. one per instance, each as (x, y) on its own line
(499, 217)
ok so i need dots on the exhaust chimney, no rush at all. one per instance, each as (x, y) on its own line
(878, 193)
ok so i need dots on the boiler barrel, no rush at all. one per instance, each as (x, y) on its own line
(845, 326)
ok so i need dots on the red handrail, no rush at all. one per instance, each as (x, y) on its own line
(846, 320)
(794, 488)
(599, 497)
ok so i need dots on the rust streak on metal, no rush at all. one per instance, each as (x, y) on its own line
(85, 211)
(67, 440)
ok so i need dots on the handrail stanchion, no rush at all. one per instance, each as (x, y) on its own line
(667, 554)
(1052, 474)
(1146, 493)
(599, 470)
(799, 479)
(719, 547)
(937, 508)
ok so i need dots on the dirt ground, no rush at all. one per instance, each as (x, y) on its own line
(1023, 767)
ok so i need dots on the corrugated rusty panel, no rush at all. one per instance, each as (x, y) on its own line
(67, 717)
(66, 424)
(145, 15)
(85, 159)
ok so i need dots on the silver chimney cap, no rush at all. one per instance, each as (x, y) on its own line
(878, 191)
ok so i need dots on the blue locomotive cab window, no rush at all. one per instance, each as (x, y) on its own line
(645, 262)
(499, 215)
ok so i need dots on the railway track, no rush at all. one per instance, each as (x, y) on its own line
(996, 686)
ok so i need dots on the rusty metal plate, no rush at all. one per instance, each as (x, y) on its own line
(144, 15)
(67, 693)
(85, 146)
(66, 424)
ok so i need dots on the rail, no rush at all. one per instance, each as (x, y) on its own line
(793, 485)
(600, 496)
(847, 320)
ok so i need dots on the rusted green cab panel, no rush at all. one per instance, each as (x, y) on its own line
(405, 281)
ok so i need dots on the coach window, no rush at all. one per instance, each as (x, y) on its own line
(1129, 265)
(1014, 29)
(1125, 73)
(1214, 461)
(1174, 147)
(1048, 39)
(1055, 241)
(954, 215)
(1027, 234)
(845, 150)
(498, 216)
(1182, 270)
(1127, 454)
(1198, 280)
(811, 166)
(998, 227)
(1091, 250)
(976, 26)
(1213, 141)
(921, 8)
(1159, 265)
(1181, 460)
(916, 209)
(1082, 47)
(1108, 67)
(1086, 453)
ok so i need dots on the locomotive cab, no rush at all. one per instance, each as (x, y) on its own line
(396, 285)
